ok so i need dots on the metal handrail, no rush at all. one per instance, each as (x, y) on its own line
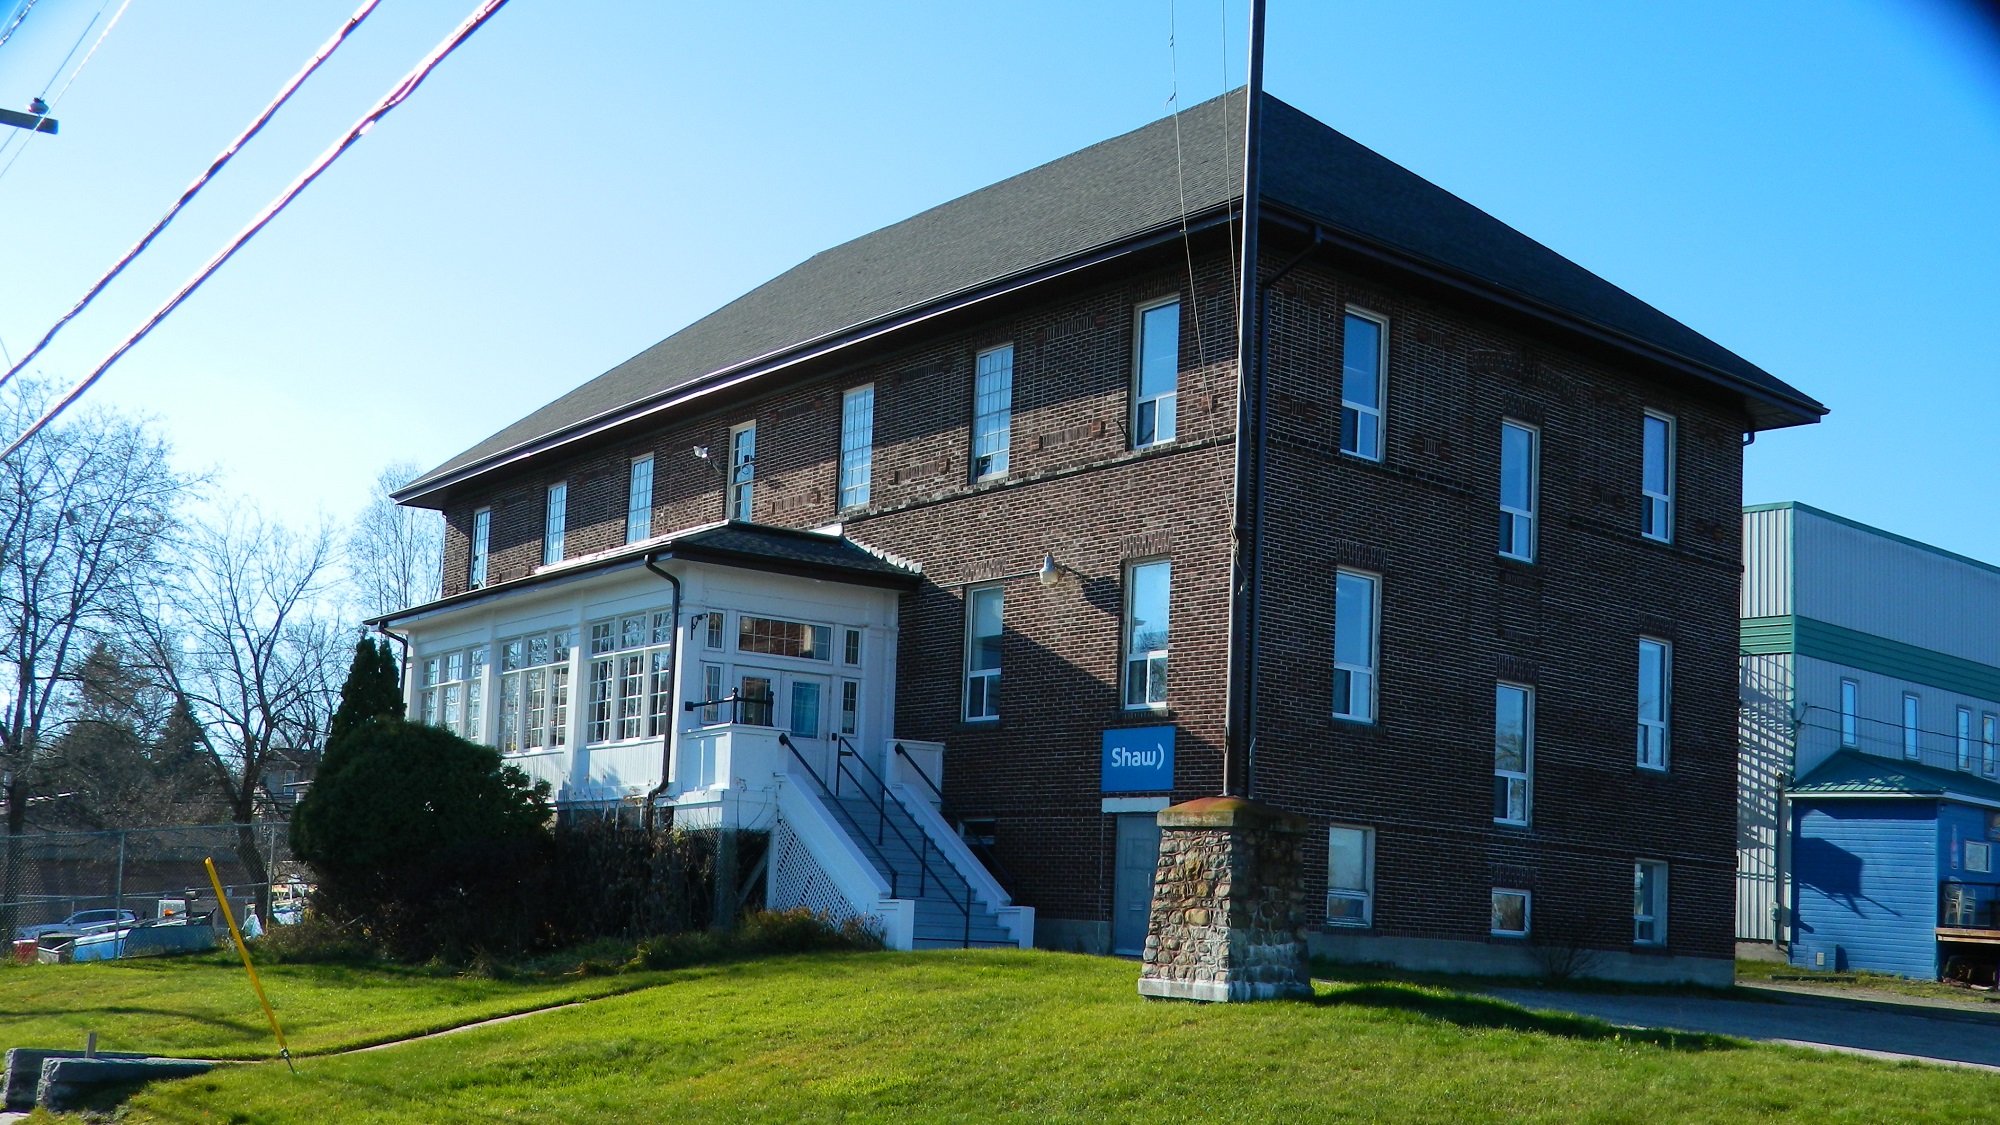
(986, 854)
(894, 892)
(843, 750)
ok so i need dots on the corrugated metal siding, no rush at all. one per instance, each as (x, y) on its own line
(1869, 582)
(1764, 761)
(1767, 563)
(1864, 878)
(1878, 715)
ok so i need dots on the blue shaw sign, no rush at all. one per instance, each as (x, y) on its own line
(1139, 760)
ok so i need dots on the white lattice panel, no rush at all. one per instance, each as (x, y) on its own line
(798, 880)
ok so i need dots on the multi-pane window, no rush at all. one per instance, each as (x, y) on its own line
(1850, 713)
(992, 411)
(553, 525)
(711, 690)
(742, 471)
(1513, 751)
(1363, 373)
(1519, 457)
(1350, 876)
(639, 501)
(1655, 701)
(1989, 735)
(770, 636)
(857, 445)
(984, 622)
(1510, 912)
(450, 691)
(1656, 484)
(1148, 590)
(1155, 405)
(482, 537)
(1649, 903)
(1967, 755)
(711, 635)
(850, 706)
(630, 677)
(1354, 646)
(1913, 713)
(850, 648)
(534, 691)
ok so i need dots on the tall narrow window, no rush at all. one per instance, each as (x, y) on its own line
(1518, 471)
(629, 677)
(1967, 755)
(1989, 735)
(1155, 409)
(992, 411)
(850, 706)
(1850, 713)
(552, 529)
(1148, 590)
(742, 471)
(1656, 521)
(983, 625)
(1354, 637)
(711, 691)
(857, 445)
(1513, 751)
(639, 501)
(1510, 912)
(1655, 701)
(1363, 373)
(1649, 903)
(534, 691)
(1913, 713)
(482, 535)
(1350, 876)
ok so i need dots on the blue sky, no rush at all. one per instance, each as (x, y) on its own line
(1811, 184)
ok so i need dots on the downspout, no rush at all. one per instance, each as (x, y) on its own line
(673, 677)
(1240, 707)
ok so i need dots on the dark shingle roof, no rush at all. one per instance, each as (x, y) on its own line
(1850, 773)
(1106, 194)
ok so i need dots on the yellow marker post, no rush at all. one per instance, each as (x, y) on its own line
(222, 900)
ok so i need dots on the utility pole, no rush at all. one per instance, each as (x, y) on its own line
(1240, 708)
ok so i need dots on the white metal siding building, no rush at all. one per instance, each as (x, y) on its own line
(1853, 638)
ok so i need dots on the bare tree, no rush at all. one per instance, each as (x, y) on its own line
(395, 553)
(245, 639)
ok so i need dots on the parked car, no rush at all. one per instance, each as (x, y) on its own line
(79, 924)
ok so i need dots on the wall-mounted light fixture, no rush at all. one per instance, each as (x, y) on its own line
(1051, 572)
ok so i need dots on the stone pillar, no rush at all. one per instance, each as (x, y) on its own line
(1229, 916)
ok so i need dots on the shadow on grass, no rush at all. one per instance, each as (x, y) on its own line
(1346, 972)
(1489, 1014)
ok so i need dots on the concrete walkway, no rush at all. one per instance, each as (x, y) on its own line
(1874, 1028)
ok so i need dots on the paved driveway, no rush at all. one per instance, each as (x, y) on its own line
(1876, 1028)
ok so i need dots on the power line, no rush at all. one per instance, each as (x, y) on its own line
(395, 97)
(47, 104)
(19, 15)
(285, 93)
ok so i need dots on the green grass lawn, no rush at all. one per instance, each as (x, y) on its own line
(203, 1005)
(1025, 1036)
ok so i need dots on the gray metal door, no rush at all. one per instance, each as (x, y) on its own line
(1132, 885)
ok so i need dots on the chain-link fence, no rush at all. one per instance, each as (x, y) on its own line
(55, 883)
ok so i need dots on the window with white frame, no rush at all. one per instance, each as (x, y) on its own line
(1649, 903)
(1989, 735)
(1156, 381)
(1513, 751)
(711, 634)
(1520, 455)
(1979, 857)
(639, 501)
(1364, 372)
(1350, 876)
(1656, 675)
(992, 411)
(1967, 753)
(850, 706)
(857, 445)
(711, 691)
(850, 648)
(1656, 478)
(985, 611)
(534, 691)
(451, 691)
(1850, 712)
(630, 677)
(743, 471)
(553, 525)
(1148, 592)
(1510, 912)
(771, 636)
(1913, 714)
(1355, 631)
(482, 536)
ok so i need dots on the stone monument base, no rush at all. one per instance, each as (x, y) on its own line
(1228, 920)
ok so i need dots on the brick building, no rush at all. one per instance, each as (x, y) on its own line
(948, 508)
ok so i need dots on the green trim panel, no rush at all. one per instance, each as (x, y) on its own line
(1855, 649)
